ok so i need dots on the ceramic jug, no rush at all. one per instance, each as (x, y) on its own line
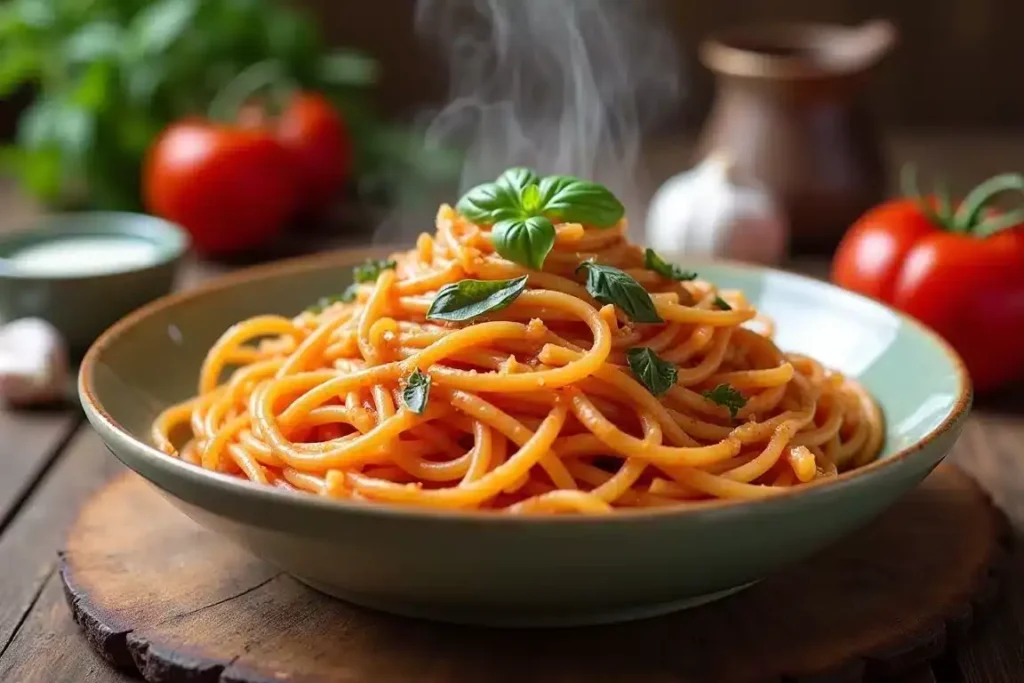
(789, 109)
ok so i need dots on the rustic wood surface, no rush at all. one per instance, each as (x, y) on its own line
(52, 462)
(857, 612)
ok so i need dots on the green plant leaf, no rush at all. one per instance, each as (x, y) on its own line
(347, 68)
(57, 124)
(673, 272)
(93, 89)
(524, 241)
(569, 199)
(96, 40)
(654, 373)
(489, 203)
(346, 296)
(515, 180)
(612, 286)
(727, 397)
(468, 299)
(416, 392)
(160, 24)
(370, 269)
(18, 64)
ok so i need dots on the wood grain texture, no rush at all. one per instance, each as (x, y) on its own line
(30, 441)
(161, 597)
(27, 547)
(49, 647)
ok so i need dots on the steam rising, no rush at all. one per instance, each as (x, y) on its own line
(563, 86)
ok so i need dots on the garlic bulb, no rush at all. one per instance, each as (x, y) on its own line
(33, 363)
(706, 212)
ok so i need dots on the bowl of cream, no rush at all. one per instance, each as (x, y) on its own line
(82, 272)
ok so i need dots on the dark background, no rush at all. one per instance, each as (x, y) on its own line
(960, 62)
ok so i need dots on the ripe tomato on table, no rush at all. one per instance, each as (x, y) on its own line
(958, 269)
(231, 188)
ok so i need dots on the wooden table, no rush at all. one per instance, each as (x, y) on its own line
(52, 461)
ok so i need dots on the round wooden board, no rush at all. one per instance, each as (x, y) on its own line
(160, 596)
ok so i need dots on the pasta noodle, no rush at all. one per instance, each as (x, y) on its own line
(533, 407)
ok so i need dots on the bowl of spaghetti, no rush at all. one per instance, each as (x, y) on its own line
(525, 419)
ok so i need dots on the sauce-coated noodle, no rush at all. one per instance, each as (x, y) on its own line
(532, 408)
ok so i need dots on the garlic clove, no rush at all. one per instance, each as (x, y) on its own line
(707, 212)
(34, 367)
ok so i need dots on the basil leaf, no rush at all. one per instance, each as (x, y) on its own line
(654, 373)
(727, 397)
(722, 304)
(370, 269)
(416, 392)
(489, 203)
(467, 299)
(612, 286)
(526, 241)
(516, 180)
(665, 269)
(569, 199)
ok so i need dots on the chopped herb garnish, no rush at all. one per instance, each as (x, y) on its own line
(722, 304)
(468, 299)
(613, 286)
(653, 372)
(370, 269)
(665, 269)
(416, 391)
(727, 397)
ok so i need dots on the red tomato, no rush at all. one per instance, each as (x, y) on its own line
(316, 137)
(231, 188)
(315, 134)
(950, 274)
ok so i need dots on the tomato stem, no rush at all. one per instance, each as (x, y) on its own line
(974, 204)
(229, 100)
(909, 187)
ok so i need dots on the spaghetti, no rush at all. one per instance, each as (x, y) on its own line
(552, 401)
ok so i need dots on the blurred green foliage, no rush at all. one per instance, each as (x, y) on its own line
(111, 74)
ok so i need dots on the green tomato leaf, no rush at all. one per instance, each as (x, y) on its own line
(524, 241)
(654, 373)
(569, 199)
(727, 397)
(370, 269)
(489, 203)
(468, 299)
(416, 391)
(517, 180)
(673, 272)
(612, 286)
(160, 24)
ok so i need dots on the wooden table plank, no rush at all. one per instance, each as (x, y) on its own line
(29, 440)
(49, 647)
(28, 548)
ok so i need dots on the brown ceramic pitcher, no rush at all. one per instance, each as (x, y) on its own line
(789, 111)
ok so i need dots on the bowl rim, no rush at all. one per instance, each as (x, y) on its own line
(235, 486)
(170, 241)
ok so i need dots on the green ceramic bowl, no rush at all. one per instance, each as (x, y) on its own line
(482, 568)
(82, 301)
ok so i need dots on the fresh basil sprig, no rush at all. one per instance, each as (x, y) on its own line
(370, 269)
(522, 207)
(665, 269)
(571, 200)
(727, 397)
(653, 372)
(467, 299)
(416, 391)
(612, 286)
(526, 241)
